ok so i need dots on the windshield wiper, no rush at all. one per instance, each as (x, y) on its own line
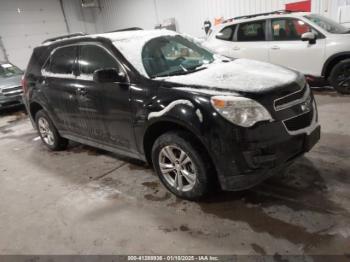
(182, 72)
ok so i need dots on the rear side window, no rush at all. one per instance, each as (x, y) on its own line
(93, 57)
(252, 32)
(227, 33)
(62, 60)
(289, 29)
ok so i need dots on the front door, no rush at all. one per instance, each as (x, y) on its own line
(105, 107)
(287, 49)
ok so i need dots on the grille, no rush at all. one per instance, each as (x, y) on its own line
(12, 91)
(299, 122)
(292, 99)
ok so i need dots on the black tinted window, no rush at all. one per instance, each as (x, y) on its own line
(226, 33)
(93, 57)
(62, 60)
(249, 32)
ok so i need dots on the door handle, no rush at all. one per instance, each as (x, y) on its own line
(82, 91)
(236, 48)
(276, 47)
(43, 82)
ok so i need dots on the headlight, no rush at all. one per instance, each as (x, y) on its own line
(240, 110)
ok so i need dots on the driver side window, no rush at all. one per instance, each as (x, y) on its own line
(92, 58)
(289, 29)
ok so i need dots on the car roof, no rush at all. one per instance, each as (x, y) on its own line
(121, 36)
(140, 34)
(244, 19)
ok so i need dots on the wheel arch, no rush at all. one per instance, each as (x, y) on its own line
(34, 108)
(159, 128)
(332, 61)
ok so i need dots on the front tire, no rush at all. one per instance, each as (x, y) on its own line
(48, 132)
(181, 166)
(340, 77)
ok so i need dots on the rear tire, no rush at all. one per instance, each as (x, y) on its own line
(181, 166)
(48, 132)
(340, 77)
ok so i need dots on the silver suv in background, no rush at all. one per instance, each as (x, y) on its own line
(10, 85)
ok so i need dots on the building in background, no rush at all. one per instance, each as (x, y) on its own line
(24, 24)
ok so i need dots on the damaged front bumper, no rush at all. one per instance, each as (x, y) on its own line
(245, 157)
(263, 160)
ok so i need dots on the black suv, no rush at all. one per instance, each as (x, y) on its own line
(197, 117)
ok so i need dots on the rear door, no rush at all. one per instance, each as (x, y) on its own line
(105, 107)
(59, 87)
(287, 49)
(250, 41)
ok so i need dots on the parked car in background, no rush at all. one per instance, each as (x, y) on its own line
(309, 43)
(197, 117)
(10, 85)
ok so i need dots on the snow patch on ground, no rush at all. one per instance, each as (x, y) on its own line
(169, 107)
(242, 75)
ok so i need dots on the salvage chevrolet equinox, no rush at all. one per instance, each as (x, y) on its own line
(199, 118)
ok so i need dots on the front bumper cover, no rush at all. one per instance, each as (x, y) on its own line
(268, 161)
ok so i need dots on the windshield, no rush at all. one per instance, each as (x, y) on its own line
(174, 55)
(8, 70)
(328, 24)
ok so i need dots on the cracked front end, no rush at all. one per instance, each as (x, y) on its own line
(246, 156)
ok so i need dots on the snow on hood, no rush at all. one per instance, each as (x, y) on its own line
(241, 75)
(131, 43)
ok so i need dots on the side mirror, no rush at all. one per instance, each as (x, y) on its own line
(109, 75)
(309, 36)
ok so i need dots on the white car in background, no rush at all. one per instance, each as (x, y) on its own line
(310, 43)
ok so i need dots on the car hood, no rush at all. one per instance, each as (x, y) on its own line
(240, 75)
(10, 81)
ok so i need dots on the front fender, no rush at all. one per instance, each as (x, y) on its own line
(330, 62)
(182, 112)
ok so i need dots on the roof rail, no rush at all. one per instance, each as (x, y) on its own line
(63, 37)
(277, 12)
(126, 29)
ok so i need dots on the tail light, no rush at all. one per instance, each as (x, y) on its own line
(24, 84)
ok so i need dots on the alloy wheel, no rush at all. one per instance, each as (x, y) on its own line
(177, 168)
(45, 131)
